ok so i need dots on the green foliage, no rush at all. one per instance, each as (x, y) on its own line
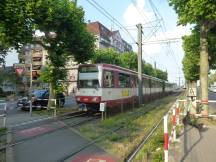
(161, 74)
(190, 61)
(212, 78)
(64, 29)
(51, 75)
(9, 76)
(194, 11)
(109, 56)
(127, 60)
(191, 46)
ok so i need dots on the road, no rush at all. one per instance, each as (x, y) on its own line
(212, 96)
(50, 141)
(47, 139)
(16, 116)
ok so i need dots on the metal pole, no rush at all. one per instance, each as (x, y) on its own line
(30, 92)
(139, 26)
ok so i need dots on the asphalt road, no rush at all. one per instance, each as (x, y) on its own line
(47, 145)
(212, 96)
(16, 116)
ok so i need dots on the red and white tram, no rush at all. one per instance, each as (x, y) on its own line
(114, 85)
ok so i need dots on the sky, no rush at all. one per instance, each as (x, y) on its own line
(168, 56)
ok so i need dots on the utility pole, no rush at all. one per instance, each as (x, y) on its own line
(155, 68)
(139, 26)
(75, 2)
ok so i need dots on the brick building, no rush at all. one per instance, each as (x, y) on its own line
(106, 38)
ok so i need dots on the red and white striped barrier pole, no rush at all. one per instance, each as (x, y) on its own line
(166, 138)
(174, 123)
(177, 113)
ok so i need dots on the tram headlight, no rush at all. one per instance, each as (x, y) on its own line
(95, 99)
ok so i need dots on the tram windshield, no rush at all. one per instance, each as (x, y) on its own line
(88, 77)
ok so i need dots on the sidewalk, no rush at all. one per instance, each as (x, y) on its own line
(196, 145)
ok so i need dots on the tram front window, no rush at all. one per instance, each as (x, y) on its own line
(88, 83)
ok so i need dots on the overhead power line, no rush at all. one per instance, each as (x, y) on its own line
(110, 17)
(169, 40)
(163, 27)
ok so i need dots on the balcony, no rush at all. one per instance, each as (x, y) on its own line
(37, 54)
(37, 63)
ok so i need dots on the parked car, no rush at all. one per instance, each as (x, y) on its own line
(40, 100)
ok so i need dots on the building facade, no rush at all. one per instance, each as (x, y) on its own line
(106, 38)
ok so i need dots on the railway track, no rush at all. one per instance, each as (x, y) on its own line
(101, 137)
(65, 126)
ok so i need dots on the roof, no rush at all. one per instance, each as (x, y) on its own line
(123, 69)
(98, 29)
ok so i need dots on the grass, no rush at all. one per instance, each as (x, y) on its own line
(3, 130)
(136, 124)
(153, 149)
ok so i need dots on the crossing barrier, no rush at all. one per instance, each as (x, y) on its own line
(174, 115)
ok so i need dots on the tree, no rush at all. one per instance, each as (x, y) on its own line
(190, 61)
(191, 46)
(212, 78)
(109, 56)
(161, 74)
(61, 22)
(129, 60)
(16, 27)
(202, 13)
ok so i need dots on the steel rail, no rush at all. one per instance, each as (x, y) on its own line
(70, 125)
(100, 137)
(144, 140)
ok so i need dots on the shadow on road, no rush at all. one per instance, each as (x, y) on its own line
(188, 132)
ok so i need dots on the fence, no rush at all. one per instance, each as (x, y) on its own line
(174, 113)
(44, 103)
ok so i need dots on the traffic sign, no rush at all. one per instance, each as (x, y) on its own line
(19, 71)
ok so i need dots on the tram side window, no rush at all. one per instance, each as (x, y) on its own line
(108, 79)
(124, 80)
(145, 83)
(133, 81)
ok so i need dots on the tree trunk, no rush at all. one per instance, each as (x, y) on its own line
(204, 68)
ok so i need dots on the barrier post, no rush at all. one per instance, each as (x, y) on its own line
(166, 138)
(177, 113)
(174, 123)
